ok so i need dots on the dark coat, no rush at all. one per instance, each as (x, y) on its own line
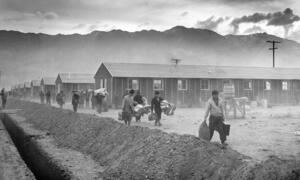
(75, 99)
(155, 104)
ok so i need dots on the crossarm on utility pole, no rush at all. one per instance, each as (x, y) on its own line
(273, 48)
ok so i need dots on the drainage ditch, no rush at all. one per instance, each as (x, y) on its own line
(38, 161)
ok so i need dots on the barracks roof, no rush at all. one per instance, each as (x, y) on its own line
(77, 78)
(49, 80)
(27, 85)
(199, 71)
(35, 82)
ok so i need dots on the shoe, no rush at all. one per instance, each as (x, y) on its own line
(223, 146)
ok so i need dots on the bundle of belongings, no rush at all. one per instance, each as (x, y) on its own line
(152, 117)
(101, 91)
(204, 131)
(120, 118)
(167, 108)
(140, 110)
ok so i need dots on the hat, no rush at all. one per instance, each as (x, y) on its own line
(215, 92)
(131, 91)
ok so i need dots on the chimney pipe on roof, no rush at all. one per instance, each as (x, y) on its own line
(176, 61)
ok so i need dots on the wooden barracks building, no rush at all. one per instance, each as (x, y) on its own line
(191, 85)
(68, 82)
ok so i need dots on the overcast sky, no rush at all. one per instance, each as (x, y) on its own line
(279, 17)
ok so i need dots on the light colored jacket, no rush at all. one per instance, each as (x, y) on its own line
(128, 104)
(213, 109)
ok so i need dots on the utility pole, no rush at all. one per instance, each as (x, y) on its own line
(273, 48)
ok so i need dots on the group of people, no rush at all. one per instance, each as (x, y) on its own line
(135, 98)
(46, 95)
(3, 95)
(79, 98)
(214, 113)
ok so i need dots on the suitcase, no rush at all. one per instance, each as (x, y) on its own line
(152, 117)
(204, 131)
(226, 129)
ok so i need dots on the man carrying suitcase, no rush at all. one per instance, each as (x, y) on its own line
(128, 107)
(155, 105)
(216, 113)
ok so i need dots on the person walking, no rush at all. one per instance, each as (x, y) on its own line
(216, 113)
(155, 105)
(138, 98)
(60, 99)
(3, 95)
(81, 99)
(75, 100)
(127, 107)
(99, 102)
(42, 97)
(48, 97)
(93, 99)
(87, 99)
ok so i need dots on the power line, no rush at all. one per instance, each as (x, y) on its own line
(273, 48)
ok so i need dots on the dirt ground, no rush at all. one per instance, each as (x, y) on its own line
(142, 153)
(263, 133)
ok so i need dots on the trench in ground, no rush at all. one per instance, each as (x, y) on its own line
(37, 160)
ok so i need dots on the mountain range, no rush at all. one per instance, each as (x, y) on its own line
(27, 56)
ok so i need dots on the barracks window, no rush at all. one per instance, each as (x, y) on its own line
(158, 84)
(182, 85)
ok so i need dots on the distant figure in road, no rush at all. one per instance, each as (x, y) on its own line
(48, 97)
(3, 95)
(87, 99)
(99, 102)
(42, 97)
(138, 98)
(81, 99)
(155, 105)
(216, 113)
(128, 107)
(75, 100)
(93, 99)
(60, 99)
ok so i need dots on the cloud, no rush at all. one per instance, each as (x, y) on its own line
(210, 23)
(145, 24)
(47, 15)
(185, 13)
(253, 29)
(247, 1)
(79, 26)
(284, 19)
(93, 27)
(29, 16)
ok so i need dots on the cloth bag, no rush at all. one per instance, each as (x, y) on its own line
(204, 131)
(152, 117)
(226, 129)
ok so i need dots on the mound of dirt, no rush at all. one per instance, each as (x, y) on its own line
(141, 153)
